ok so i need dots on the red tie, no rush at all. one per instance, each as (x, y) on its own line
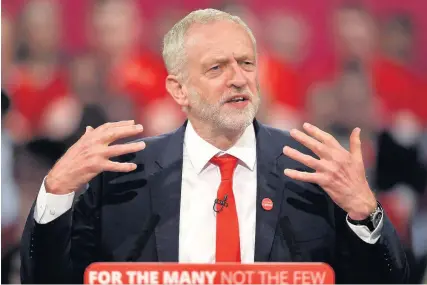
(227, 224)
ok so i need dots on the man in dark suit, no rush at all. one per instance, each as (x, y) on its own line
(223, 187)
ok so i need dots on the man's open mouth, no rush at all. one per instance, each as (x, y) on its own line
(237, 99)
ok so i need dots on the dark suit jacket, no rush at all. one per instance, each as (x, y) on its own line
(135, 217)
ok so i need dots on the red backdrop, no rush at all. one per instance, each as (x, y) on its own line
(317, 13)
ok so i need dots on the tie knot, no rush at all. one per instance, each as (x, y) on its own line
(226, 163)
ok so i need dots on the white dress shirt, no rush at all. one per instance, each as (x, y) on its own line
(200, 182)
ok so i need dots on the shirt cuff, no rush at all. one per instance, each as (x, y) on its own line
(365, 234)
(51, 206)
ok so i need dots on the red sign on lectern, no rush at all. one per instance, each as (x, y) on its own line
(219, 273)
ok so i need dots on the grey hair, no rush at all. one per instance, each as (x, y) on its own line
(174, 55)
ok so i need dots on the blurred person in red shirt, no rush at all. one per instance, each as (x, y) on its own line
(397, 85)
(286, 41)
(353, 39)
(131, 70)
(38, 84)
(384, 53)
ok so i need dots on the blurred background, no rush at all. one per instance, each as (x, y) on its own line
(337, 64)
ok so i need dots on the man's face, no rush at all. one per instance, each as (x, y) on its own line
(115, 27)
(42, 27)
(355, 33)
(222, 76)
(398, 42)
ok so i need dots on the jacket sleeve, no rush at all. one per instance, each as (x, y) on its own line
(60, 251)
(360, 262)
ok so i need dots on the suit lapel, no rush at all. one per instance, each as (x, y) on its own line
(165, 187)
(269, 185)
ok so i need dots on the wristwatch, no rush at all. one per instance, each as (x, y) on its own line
(372, 220)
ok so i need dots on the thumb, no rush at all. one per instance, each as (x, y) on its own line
(356, 144)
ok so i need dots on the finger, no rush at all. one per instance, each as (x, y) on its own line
(302, 176)
(303, 158)
(320, 135)
(314, 145)
(116, 124)
(114, 134)
(120, 149)
(88, 129)
(356, 144)
(115, 166)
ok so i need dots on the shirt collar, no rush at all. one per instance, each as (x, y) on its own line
(200, 151)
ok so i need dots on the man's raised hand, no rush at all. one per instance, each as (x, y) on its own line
(339, 172)
(91, 154)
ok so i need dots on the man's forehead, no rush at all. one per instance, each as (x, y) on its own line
(217, 36)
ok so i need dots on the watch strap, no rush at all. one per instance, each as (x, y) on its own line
(372, 221)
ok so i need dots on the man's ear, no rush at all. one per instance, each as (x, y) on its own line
(177, 90)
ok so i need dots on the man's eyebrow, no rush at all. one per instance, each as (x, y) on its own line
(245, 56)
(215, 59)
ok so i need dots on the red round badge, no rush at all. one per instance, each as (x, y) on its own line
(267, 204)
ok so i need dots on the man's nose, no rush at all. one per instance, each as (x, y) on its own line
(237, 77)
